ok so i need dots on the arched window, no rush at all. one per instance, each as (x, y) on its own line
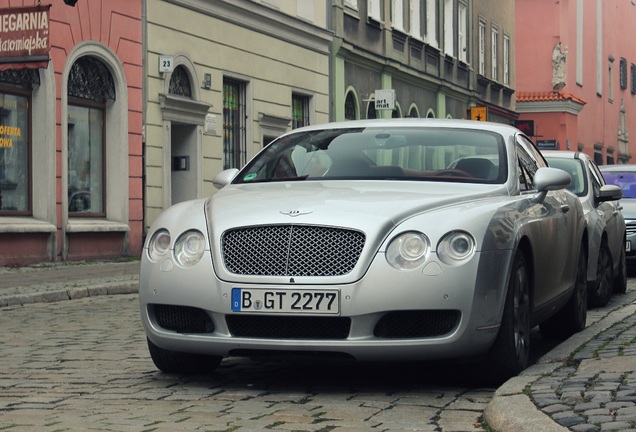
(371, 109)
(90, 90)
(351, 107)
(180, 82)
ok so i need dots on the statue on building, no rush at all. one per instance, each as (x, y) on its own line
(558, 66)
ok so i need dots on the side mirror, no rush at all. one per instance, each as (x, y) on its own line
(609, 193)
(224, 178)
(550, 179)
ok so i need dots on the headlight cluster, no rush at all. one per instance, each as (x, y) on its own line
(188, 248)
(409, 250)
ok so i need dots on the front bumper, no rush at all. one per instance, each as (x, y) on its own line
(432, 313)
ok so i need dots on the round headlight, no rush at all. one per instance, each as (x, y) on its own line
(189, 248)
(456, 248)
(407, 251)
(159, 245)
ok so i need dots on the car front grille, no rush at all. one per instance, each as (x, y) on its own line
(630, 227)
(288, 327)
(291, 250)
(417, 324)
(182, 319)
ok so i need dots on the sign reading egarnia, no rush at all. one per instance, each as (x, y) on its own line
(24, 34)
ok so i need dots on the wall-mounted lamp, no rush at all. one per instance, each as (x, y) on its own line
(70, 2)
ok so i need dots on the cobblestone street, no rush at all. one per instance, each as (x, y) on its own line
(83, 365)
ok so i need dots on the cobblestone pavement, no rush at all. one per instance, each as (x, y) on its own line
(84, 365)
(596, 390)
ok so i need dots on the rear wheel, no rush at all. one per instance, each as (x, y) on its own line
(620, 281)
(510, 353)
(601, 292)
(182, 363)
(571, 318)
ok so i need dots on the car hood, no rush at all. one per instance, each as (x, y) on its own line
(363, 205)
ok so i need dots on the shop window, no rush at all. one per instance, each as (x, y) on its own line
(300, 111)
(15, 140)
(90, 90)
(234, 128)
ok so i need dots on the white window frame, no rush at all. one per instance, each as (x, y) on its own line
(462, 31)
(397, 14)
(431, 23)
(494, 54)
(415, 18)
(482, 48)
(374, 10)
(449, 31)
(353, 4)
(506, 59)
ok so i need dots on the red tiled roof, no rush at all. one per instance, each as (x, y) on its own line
(550, 96)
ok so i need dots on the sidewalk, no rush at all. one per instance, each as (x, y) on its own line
(56, 282)
(585, 384)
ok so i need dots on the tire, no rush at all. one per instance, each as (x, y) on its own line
(510, 352)
(601, 292)
(571, 318)
(620, 281)
(182, 363)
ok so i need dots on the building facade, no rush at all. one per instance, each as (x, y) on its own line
(415, 52)
(70, 130)
(576, 75)
(493, 55)
(224, 78)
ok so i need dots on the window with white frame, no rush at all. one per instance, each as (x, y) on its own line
(374, 10)
(462, 31)
(431, 23)
(506, 59)
(415, 19)
(449, 31)
(482, 48)
(300, 110)
(397, 14)
(234, 127)
(494, 59)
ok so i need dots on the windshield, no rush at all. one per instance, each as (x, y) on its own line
(625, 179)
(429, 154)
(574, 167)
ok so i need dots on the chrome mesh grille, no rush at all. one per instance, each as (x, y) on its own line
(291, 250)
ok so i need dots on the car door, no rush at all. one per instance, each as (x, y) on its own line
(608, 211)
(552, 233)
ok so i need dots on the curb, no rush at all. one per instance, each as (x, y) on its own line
(512, 410)
(72, 293)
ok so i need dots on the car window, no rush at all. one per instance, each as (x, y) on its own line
(420, 154)
(625, 179)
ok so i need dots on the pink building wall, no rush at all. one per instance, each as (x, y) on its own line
(539, 26)
(117, 25)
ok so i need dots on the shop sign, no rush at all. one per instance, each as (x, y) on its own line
(24, 37)
(385, 99)
(547, 144)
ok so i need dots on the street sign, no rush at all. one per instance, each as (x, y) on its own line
(479, 113)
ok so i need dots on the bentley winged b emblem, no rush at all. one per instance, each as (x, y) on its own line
(294, 213)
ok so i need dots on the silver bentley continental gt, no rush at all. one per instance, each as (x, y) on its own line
(374, 240)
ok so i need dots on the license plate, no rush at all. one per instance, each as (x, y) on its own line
(285, 301)
(628, 246)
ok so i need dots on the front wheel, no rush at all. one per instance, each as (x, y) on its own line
(572, 317)
(510, 353)
(182, 363)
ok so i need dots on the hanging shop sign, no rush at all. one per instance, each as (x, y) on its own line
(24, 37)
(385, 99)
